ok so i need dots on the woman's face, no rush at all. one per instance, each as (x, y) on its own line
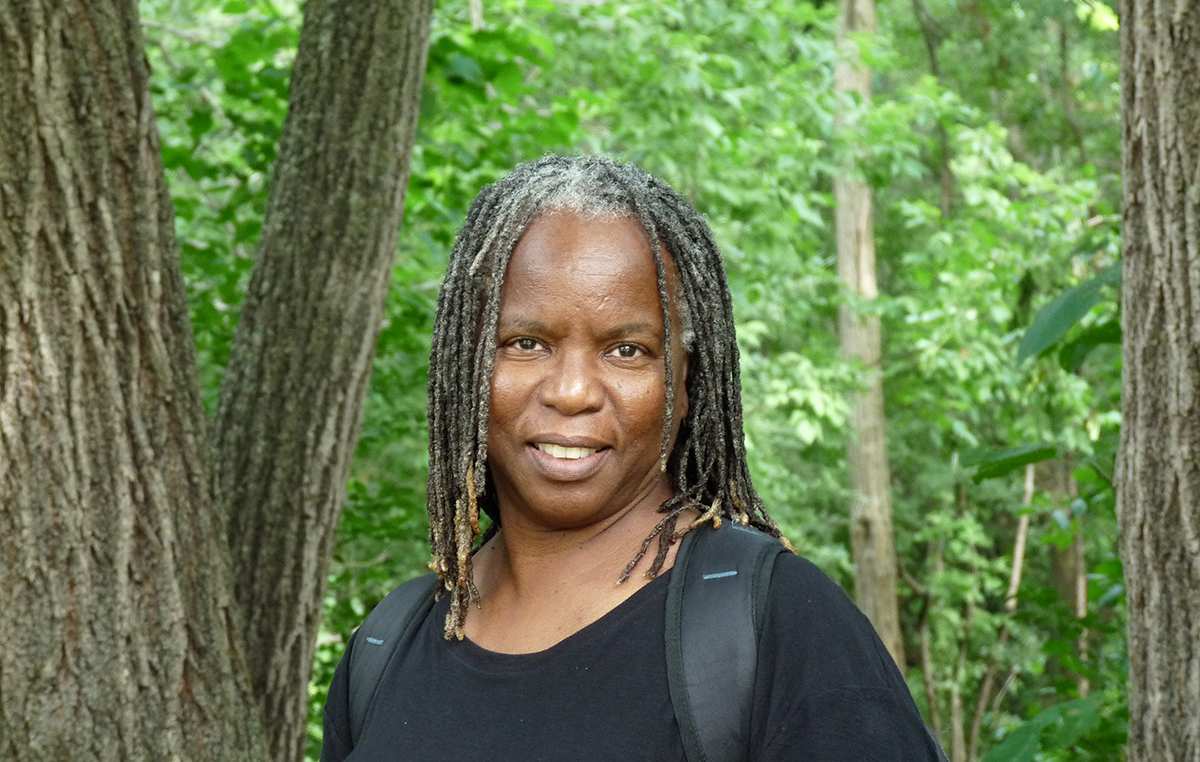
(578, 394)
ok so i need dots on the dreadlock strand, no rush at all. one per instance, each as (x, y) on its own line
(713, 514)
(665, 525)
(472, 502)
(666, 537)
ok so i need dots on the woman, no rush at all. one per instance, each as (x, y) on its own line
(584, 395)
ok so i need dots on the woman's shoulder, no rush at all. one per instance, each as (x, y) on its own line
(812, 621)
(827, 687)
(797, 585)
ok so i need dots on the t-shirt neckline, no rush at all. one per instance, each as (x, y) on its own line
(478, 658)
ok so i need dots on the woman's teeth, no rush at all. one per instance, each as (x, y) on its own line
(569, 453)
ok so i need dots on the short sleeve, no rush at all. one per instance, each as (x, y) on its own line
(826, 688)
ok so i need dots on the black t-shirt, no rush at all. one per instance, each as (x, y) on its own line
(826, 690)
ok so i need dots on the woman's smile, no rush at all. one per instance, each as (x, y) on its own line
(568, 463)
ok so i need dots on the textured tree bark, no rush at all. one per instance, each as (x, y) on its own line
(144, 619)
(1158, 468)
(291, 399)
(116, 641)
(871, 512)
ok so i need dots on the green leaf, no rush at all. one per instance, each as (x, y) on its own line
(1111, 596)
(1021, 745)
(1054, 320)
(1074, 352)
(1062, 725)
(200, 122)
(463, 69)
(234, 7)
(806, 212)
(1075, 718)
(994, 463)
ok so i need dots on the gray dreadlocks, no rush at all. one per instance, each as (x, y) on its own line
(707, 465)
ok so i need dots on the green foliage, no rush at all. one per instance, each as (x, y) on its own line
(996, 463)
(1061, 725)
(997, 329)
(1059, 315)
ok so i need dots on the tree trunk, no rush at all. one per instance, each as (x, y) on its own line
(131, 628)
(1068, 566)
(871, 511)
(1158, 472)
(115, 639)
(988, 684)
(292, 397)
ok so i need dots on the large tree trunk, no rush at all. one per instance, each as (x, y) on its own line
(871, 511)
(291, 399)
(142, 617)
(1158, 470)
(115, 639)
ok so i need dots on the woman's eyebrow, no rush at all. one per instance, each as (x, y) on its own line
(538, 328)
(522, 325)
(638, 328)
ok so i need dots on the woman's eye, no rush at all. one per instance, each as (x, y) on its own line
(627, 351)
(526, 345)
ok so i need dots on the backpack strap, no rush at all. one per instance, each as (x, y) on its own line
(389, 628)
(716, 601)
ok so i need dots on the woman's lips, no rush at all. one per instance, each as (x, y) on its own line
(562, 463)
(565, 453)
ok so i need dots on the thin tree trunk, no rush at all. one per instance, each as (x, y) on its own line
(1068, 567)
(988, 683)
(1158, 471)
(291, 400)
(958, 742)
(928, 676)
(870, 481)
(116, 640)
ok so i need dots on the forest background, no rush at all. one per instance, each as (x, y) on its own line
(992, 145)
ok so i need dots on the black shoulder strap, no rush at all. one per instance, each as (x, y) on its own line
(388, 628)
(715, 605)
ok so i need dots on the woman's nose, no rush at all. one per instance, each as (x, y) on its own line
(573, 385)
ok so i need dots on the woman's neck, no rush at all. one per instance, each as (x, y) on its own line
(539, 586)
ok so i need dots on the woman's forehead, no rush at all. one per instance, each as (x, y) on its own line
(567, 244)
(566, 252)
(566, 266)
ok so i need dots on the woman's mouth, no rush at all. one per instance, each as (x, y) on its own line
(562, 462)
(565, 453)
